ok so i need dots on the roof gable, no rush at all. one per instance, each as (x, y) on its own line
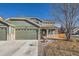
(22, 22)
(2, 22)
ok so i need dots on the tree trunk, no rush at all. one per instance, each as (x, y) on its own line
(68, 37)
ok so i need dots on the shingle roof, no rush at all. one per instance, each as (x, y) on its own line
(4, 22)
(30, 20)
(26, 19)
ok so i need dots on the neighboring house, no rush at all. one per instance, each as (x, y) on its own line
(27, 28)
(76, 31)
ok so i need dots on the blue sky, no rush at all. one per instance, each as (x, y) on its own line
(25, 10)
(39, 10)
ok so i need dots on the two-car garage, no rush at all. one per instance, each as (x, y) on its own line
(26, 34)
(20, 34)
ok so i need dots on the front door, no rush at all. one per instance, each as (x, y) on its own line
(43, 32)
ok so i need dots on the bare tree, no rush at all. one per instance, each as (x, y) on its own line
(67, 15)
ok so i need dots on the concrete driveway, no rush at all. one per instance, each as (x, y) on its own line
(19, 48)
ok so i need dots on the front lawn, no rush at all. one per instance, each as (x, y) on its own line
(62, 48)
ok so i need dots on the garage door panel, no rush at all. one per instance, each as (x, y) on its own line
(26, 34)
(3, 34)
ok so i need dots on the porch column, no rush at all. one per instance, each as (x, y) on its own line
(56, 32)
(13, 34)
(39, 35)
(9, 33)
(47, 32)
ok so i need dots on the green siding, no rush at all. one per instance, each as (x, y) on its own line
(22, 23)
(26, 34)
(3, 34)
(3, 31)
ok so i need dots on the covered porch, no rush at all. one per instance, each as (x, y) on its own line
(45, 32)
